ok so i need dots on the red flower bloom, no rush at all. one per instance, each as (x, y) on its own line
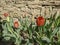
(16, 24)
(5, 14)
(40, 21)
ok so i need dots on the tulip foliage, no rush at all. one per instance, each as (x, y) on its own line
(22, 31)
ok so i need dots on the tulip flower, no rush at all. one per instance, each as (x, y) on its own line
(16, 24)
(40, 21)
(5, 14)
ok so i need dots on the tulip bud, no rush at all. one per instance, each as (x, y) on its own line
(8, 19)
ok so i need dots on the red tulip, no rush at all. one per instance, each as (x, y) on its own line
(6, 14)
(16, 24)
(40, 21)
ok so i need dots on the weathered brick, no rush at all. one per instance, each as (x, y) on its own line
(18, 8)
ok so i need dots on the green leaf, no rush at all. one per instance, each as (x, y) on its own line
(57, 22)
(45, 39)
(54, 16)
(30, 44)
(55, 31)
(7, 38)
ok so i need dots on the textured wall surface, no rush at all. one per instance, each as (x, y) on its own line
(18, 8)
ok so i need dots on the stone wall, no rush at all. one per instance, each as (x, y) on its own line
(30, 8)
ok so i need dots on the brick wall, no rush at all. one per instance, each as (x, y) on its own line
(18, 8)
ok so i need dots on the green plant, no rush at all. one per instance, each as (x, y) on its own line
(43, 32)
